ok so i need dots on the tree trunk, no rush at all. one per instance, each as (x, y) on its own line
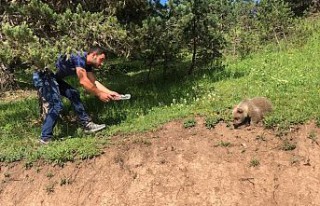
(277, 39)
(165, 65)
(7, 81)
(315, 6)
(150, 68)
(193, 58)
(235, 41)
(194, 48)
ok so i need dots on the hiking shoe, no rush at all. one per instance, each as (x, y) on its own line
(45, 141)
(92, 127)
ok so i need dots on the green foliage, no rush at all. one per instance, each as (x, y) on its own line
(241, 34)
(189, 123)
(301, 7)
(37, 31)
(66, 181)
(254, 162)
(288, 146)
(38, 34)
(158, 39)
(211, 122)
(313, 136)
(50, 188)
(274, 19)
(224, 144)
(252, 25)
(198, 28)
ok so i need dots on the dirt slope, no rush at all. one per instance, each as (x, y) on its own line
(178, 166)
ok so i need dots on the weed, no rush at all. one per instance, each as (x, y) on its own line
(118, 159)
(142, 141)
(254, 162)
(50, 175)
(189, 123)
(223, 144)
(282, 129)
(294, 160)
(65, 181)
(229, 125)
(313, 136)
(288, 146)
(28, 165)
(211, 122)
(318, 121)
(50, 188)
(261, 137)
(7, 175)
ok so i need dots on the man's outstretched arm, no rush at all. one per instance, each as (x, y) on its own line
(101, 87)
(91, 87)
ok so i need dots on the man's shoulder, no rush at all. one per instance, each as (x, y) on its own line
(79, 59)
(79, 55)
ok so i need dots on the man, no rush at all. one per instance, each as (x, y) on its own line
(51, 86)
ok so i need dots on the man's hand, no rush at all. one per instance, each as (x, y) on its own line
(115, 95)
(88, 81)
(105, 97)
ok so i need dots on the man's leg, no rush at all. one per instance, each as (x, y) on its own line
(50, 93)
(73, 95)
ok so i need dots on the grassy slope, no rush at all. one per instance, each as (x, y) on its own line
(290, 78)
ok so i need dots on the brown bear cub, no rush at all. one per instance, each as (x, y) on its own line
(251, 111)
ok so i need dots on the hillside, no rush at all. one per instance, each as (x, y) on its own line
(178, 166)
(149, 155)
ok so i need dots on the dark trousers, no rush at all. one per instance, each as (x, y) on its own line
(51, 90)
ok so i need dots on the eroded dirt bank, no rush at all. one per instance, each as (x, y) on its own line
(178, 166)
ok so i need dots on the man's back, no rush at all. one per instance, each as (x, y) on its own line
(66, 66)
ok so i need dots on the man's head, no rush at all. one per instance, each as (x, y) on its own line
(96, 56)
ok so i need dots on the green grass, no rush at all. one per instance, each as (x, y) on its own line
(290, 78)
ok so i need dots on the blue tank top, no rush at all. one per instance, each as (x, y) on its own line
(67, 66)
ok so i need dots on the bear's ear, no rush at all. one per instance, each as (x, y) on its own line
(239, 110)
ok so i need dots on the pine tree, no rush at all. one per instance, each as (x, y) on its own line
(197, 20)
(274, 19)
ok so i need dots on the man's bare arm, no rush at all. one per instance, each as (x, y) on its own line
(101, 87)
(89, 86)
(97, 83)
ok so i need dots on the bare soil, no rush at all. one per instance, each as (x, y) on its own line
(180, 166)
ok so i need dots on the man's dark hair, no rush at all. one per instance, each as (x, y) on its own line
(97, 49)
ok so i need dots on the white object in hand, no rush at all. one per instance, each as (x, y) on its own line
(125, 96)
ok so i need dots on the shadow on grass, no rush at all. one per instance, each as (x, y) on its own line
(154, 92)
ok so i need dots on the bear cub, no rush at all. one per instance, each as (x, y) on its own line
(251, 111)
